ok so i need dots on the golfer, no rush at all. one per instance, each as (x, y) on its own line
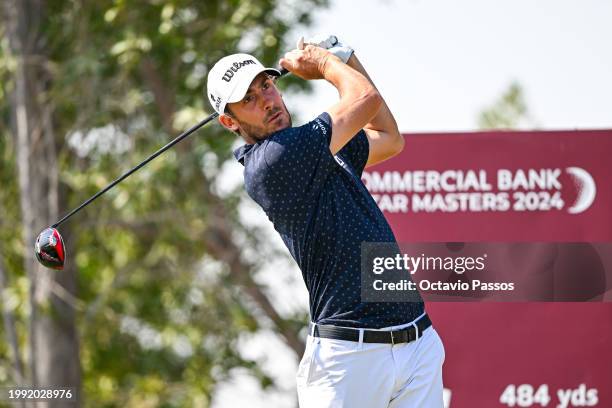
(307, 179)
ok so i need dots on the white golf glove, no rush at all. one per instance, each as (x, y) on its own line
(330, 43)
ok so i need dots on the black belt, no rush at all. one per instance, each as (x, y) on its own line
(372, 336)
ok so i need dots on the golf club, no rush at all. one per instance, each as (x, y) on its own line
(49, 247)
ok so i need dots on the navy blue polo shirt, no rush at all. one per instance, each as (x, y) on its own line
(323, 212)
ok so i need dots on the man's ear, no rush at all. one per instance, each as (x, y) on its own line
(228, 122)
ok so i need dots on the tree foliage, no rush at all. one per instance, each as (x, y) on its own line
(164, 288)
(509, 111)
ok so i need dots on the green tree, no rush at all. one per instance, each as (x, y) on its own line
(159, 284)
(508, 112)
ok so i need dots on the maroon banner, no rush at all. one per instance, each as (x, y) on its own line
(546, 186)
(502, 186)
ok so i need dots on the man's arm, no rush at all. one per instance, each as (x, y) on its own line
(383, 135)
(359, 100)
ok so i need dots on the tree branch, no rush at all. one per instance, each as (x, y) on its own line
(164, 99)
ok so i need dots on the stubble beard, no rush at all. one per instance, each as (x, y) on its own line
(258, 132)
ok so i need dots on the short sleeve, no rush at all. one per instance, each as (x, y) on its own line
(356, 151)
(299, 160)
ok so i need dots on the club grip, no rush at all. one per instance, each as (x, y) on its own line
(283, 71)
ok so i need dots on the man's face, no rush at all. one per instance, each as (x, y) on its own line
(261, 112)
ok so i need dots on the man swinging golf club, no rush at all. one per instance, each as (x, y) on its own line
(307, 180)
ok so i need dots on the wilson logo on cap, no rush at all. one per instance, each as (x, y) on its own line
(227, 77)
(215, 101)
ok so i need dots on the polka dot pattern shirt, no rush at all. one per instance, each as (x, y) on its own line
(323, 212)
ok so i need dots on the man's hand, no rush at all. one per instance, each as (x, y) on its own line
(307, 63)
(331, 43)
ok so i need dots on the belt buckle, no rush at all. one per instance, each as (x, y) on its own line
(392, 339)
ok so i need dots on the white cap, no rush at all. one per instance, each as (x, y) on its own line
(230, 78)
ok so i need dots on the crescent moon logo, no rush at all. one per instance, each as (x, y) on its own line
(586, 189)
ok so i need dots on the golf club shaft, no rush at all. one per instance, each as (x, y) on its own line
(133, 170)
(147, 160)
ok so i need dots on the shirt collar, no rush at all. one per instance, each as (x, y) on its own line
(240, 152)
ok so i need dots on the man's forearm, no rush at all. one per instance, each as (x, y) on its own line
(345, 80)
(383, 121)
(359, 101)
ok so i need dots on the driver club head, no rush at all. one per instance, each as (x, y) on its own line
(50, 249)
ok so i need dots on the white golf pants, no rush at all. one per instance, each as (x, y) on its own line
(346, 374)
